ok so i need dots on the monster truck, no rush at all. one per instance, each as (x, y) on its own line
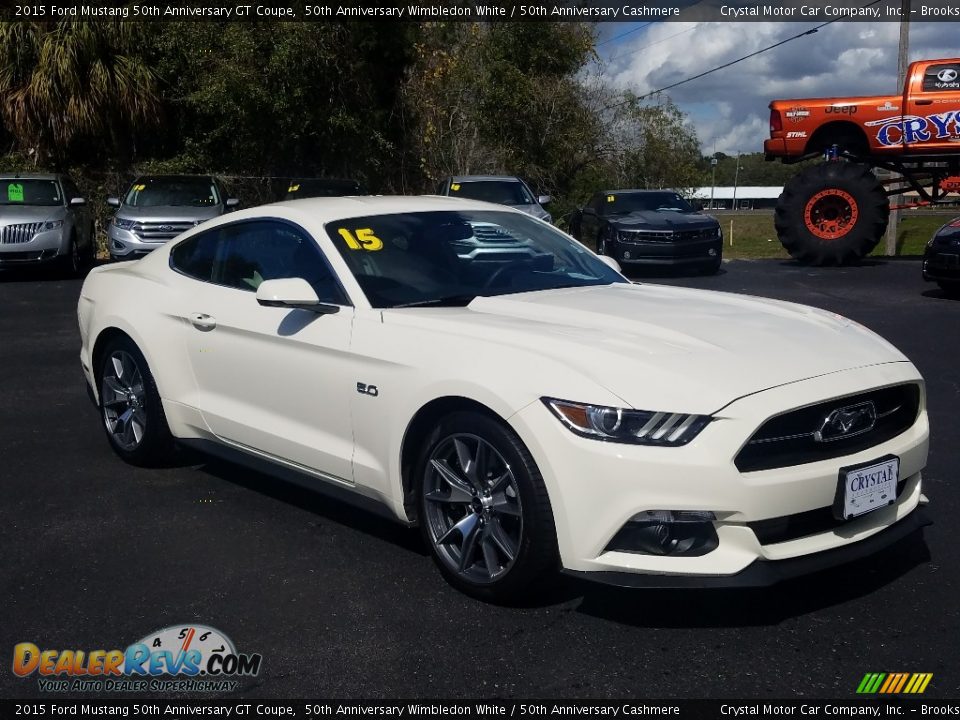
(836, 211)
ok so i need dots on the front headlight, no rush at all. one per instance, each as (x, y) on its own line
(639, 427)
(52, 224)
(122, 223)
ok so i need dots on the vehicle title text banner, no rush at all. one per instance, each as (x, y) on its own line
(800, 11)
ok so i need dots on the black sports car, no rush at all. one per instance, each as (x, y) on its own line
(650, 227)
(941, 259)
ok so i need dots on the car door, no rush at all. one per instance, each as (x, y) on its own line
(930, 108)
(590, 221)
(272, 380)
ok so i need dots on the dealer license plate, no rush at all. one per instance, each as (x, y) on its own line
(868, 487)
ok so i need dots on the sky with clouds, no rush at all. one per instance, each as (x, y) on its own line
(729, 108)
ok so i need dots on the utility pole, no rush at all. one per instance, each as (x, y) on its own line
(713, 179)
(894, 222)
(736, 178)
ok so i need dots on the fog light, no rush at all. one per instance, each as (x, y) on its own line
(626, 255)
(667, 532)
(117, 245)
(712, 252)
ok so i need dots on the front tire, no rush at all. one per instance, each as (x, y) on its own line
(831, 214)
(130, 406)
(71, 264)
(484, 510)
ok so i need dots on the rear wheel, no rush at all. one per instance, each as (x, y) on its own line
(130, 406)
(832, 213)
(484, 510)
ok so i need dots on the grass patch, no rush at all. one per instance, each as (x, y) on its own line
(754, 236)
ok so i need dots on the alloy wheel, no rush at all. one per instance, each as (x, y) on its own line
(123, 398)
(473, 512)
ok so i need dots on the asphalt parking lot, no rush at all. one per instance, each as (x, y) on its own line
(343, 604)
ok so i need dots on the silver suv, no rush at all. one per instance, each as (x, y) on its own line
(44, 219)
(501, 189)
(157, 208)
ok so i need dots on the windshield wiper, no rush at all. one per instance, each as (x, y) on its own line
(446, 301)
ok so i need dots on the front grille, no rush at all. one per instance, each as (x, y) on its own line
(20, 233)
(158, 232)
(791, 439)
(666, 236)
(792, 527)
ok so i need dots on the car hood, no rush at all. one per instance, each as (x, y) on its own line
(169, 213)
(660, 220)
(11, 214)
(664, 348)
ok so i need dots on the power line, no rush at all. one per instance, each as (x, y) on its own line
(811, 31)
(656, 42)
(624, 34)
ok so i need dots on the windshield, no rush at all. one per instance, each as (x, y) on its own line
(641, 201)
(449, 258)
(20, 191)
(154, 192)
(502, 192)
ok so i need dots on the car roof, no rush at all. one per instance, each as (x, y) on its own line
(324, 209)
(475, 178)
(174, 177)
(30, 176)
(634, 192)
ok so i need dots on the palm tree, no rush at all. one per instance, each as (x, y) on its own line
(61, 81)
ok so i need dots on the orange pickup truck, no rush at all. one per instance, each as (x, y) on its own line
(837, 211)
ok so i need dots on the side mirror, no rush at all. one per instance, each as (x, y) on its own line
(293, 293)
(77, 201)
(113, 202)
(544, 199)
(607, 260)
(232, 203)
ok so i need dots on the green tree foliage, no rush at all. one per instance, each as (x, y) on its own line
(265, 98)
(62, 82)
(395, 105)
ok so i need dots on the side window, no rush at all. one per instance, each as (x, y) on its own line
(194, 257)
(940, 78)
(264, 250)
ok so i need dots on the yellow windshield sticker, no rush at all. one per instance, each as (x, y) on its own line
(139, 188)
(611, 198)
(455, 187)
(364, 239)
(293, 188)
(15, 192)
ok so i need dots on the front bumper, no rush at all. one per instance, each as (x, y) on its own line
(941, 264)
(762, 573)
(695, 252)
(595, 487)
(126, 245)
(44, 247)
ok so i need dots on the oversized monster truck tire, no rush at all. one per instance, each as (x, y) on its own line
(831, 214)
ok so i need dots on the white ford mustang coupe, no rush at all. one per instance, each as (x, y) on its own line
(474, 371)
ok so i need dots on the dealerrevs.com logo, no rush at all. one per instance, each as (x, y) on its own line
(181, 658)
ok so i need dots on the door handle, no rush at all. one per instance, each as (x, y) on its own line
(202, 321)
(923, 102)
